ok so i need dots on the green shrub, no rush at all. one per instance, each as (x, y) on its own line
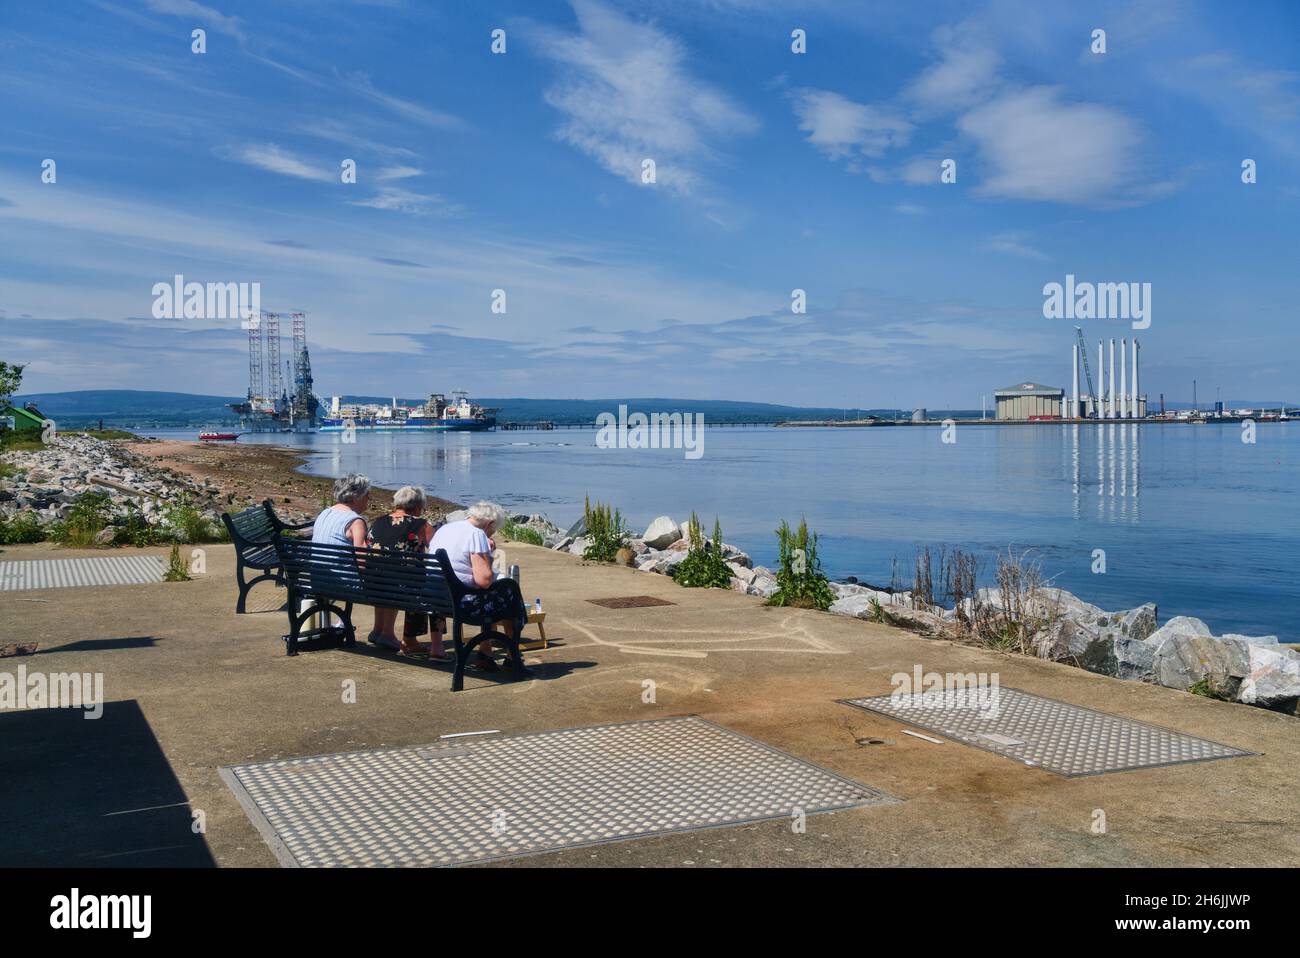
(22, 528)
(177, 569)
(187, 523)
(89, 516)
(799, 579)
(704, 567)
(606, 531)
(135, 531)
(517, 533)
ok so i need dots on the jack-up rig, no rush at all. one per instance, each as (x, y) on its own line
(270, 407)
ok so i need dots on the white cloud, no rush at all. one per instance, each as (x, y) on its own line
(270, 157)
(965, 74)
(403, 201)
(1034, 146)
(214, 19)
(1015, 243)
(843, 129)
(627, 95)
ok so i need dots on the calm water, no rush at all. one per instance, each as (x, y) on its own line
(1190, 517)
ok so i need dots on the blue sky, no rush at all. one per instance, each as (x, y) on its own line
(775, 171)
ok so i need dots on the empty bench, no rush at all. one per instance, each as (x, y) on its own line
(251, 532)
(324, 578)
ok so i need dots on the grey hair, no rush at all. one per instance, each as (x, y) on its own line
(351, 487)
(488, 512)
(408, 496)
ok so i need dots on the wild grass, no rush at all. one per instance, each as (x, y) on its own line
(704, 566)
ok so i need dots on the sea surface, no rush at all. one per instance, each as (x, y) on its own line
(1189, 517)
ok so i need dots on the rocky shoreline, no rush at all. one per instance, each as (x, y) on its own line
(1181, 654)
(149, 479)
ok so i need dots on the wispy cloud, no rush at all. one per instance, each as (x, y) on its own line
(1015, 243)
(270, 157)
(627, 95)
(843, 129)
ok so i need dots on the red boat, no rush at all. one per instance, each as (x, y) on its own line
(209, 436)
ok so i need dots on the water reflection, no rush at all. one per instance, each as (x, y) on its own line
(1116, 471)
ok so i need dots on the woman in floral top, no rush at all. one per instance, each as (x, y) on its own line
(405, 530)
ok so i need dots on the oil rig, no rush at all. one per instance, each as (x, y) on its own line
(272, 405)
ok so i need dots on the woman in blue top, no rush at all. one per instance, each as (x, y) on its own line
(344, 523)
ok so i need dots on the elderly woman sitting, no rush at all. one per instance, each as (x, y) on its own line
(344, 523)
(469, 547)
(405, 530)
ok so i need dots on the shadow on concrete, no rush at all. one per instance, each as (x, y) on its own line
(104, 645)
(544, 670)
(88, 793)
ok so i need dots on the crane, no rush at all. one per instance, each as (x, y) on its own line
(1087, 370)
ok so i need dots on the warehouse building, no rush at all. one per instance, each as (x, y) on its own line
(1030, 401)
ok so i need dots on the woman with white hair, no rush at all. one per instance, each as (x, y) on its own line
(405, 530)
(344, 523)
(468, 543)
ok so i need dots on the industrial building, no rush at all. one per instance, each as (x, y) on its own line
(270, 406)
(1030, 401)
(1110, 397)
(1106, 400)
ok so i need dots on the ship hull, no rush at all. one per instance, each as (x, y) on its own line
(410, 425)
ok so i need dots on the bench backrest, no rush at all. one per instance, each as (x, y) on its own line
(390, 580)
(251, 527)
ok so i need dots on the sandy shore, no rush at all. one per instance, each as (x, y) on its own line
(248, 474)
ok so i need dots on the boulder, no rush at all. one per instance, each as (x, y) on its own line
(1064, 640)
(915, 620)
(1178, 625)
(1273, 680)
(743, 573)
(1251, 639)
(739, 585)
(763, 585)
(579, 545)
(661, 533)
(858, 606)
(638, 546)
(104, 537)
(563, 543)
(1136, 623)
(1183, 660)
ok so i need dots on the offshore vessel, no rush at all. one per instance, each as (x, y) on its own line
(437, 415)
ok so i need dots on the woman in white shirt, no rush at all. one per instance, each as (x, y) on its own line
(469, 547)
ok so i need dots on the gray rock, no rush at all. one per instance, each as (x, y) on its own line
(105, 536)
(1251, 639)
(1179, 625)
(1183, 660)
(764, 585)
(1273, 680)
(1064, 640)
(858, 606)
(739, 585)
(743, 573)
(562, 545)
(579, 545)
(661, 533)
(1136, 623)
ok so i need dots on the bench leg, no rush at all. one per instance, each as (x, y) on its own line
(246, 586)
(462, 656)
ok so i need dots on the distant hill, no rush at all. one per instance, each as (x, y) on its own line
(128, 408)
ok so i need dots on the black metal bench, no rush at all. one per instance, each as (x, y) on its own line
(324, 578)
(251, 531)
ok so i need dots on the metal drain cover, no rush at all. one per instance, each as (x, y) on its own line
(16, 576)
(630, 602)
(523, 794)
(1067, 739)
